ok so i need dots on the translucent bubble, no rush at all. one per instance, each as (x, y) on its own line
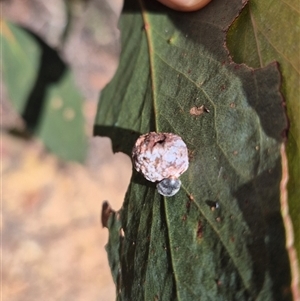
(168, 187)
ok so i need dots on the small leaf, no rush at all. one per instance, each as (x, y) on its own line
(43, 91)
(183, 248)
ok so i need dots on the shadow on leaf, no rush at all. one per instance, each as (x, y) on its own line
(260, 205)
(123, 141)
(51, 71)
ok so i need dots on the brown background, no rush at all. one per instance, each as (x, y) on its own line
(52, 238)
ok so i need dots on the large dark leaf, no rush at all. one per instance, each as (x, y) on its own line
(221, 237)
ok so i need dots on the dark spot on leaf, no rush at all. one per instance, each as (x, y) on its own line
(188, 205)
(200, 230)
(191, 154)
(184, 218)
(223, 87)
(232, 239)
(213, 205)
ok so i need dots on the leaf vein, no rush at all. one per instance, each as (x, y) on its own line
(256, 38)
(277, 50)
(292, 7)
(221, 240)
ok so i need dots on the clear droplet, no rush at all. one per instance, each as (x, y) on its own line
(168, 187)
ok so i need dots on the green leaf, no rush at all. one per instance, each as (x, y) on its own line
(43, 90)
(270, 31)
(222, 236)
(20, 61)
(62, 127)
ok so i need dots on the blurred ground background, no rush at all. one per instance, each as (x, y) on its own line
(53, 241)
(52, 238)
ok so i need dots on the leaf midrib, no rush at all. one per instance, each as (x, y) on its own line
(152, 75)
(151, 59)
(147, 26)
